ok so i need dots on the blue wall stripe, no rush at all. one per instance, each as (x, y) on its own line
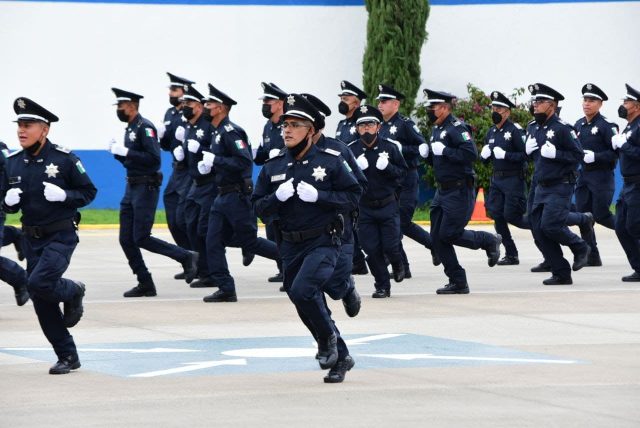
(314, 2)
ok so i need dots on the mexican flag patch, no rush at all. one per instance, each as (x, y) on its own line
(466, 136)
(80, 167)
(149, 132)
(241, 144)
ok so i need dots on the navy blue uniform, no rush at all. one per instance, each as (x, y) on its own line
(628, 204)
(271, 140)
(232, 222)
(346, 130)
(379, 221)
(139, 203)
(50, 231)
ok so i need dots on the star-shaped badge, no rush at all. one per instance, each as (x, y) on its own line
(550, 134)
(217, 138)
(51, 170)
(319, 173)
(393, 130)
(184, 119)
(443, 134)
(291, 100)
(364, 109)
(594, 130)
(132, 136)
(352, 130)
(21, 104)
(507, 136)
(199, 133)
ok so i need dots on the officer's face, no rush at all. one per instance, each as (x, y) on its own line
(502, 111)
(29, 132)
(295, 130)
(542, 106)
(633, 108)
(368, 128)
(273, 104)
(388, 107)
(176, 91)
(591, 106)
(351, 100)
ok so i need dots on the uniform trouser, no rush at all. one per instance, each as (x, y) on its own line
(232, 223)
(343, 351)
(408, 199)
(450, 212)
(628, 223)
(197, 207)
(506, 204)
(10, 272)
(10, 234)
(379, 230)
(339, 284)
(358, 255)
(137, 214)
(271, 236)
(174, 198)
(47, 259)
(549, 225)
(594, 193)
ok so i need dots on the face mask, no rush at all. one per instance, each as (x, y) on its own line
(298, 148)
(622, 112)
(266, 111)
(174, 101)
(368, 138)
(122, 115)
(431, 115)
(32, 149)
(540, 118)
(188, 113)
(496, 117)
(206, 113)
(343, 107)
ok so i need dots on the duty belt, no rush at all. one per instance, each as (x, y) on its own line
(567, 179)
(304, 235)
(143, 179)
(49, 229)
(201, 181)
(371, 203)
(179, 166)
(598, 167)
(223, 190)
(456, 184)
(509, 173)
(632, 179)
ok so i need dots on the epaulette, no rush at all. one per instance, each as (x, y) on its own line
(228, 127)
(457, 123)
(332, 152)
(14, 153)
(62, 149)
(607, 120)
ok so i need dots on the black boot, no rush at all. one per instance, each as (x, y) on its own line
(328, 352)
(352, 301)
(542, 267)
(180, 275)
(338, 372)
(65, 365)
(398, 271)
(556, 280)
(452, 288)
(190, 266)
(359, 269)
(493, 252)
(381, 293)
(594, 259)
(634, 277)
(581, 258)
(509, 261)
(247, 258)
(73, 309)
(276, 278)
(21, 294)
(221, 296)
(144, 288)
(203, 283)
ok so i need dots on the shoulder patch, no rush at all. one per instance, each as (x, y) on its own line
(62, 149)
(457, 123)
(14, 153)
(332, 152)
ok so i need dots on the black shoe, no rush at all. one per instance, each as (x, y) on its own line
(360, 269)
(398, 271)
(634, 277)
(542, 267)
(594, 259)
(556, 280)
(407, 272)
(338, 372)
(190, 266)
(203, 283)
(352, 301)
(493, 252)
(180, 275)
(282, 290)
(509, 261)
(143, 289)
(586, 230)
(21, 294)
(435, 259)
(18, 246)
(581, 258)
(381, 294)
(221, 296)
(276, 278)
(247, 258)
(328, 352)
(452, 288)
(65, 365)
(73, 309)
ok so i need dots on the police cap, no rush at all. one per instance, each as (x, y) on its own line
(349, 88)
(498, 99)
(31, 111)
(367, 113)
(386, 92)
(590, 90)
(220, 97)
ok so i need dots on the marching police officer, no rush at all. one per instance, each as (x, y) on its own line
(627, 145)
(452, 152)
(140, 155)
(596, 183)
(231, 219)
(305, 189)
(506, 200)
(379, 221)
(48, 184)
(555, 174)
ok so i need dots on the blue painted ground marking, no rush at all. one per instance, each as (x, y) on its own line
(284, 354)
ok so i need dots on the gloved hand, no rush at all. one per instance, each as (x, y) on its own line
(362, 162)
(178, 153)
(307, 192)
(485, 153)
(12, 197)
(548, 150)
(589, 156)
(53, 193)
(203, 168)
(618, 140)
(285, 190)
(112, 142)
(382, 162)
(193, 146)
(161, 130)
(499, 153)
(119, 149)
(531, 145)
(424, 150)
(180, 134)
(208, 158)
(437, 148)
(273, 153)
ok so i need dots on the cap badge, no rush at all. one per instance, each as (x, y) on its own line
(21, 104)
(291, 100)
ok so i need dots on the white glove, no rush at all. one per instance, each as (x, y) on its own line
(485, 153)
(589, 156)
(193, 146)
(111, 144)
(180, 134)
(362, 162)
(531, 145)
(273, 153)
(161, 130)
(285, 190)
(53, 193)
(119, 149)
(437, 148)
(382, 162)
(208, 158)
(618, 140)
(203, 168)
(548, 150)
(178, 153)
(424, 150)
(499, 153)
(12, 197)
(307, 192)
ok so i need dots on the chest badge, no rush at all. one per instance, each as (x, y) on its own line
(550, 134)
(594, 130)
(132, 136)
(507, 136)
(319, 173)
(199, 134)
(393, 130)
(443, 134)
(51, 170)
(352, 130)
(217, 138)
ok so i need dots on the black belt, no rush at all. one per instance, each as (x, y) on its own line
(455, 184)
(509, 173)
(48, 229)
(598, 167)
(568, 179)
(379, 202)
(201, 181)
(632, 179)
(143, 179)
(304, 235)
(179, 166)
(223, 190)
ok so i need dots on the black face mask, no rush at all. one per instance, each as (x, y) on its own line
(174, 101)
(431, 115)
(188, 113)
(298, 148)
(540, 118)
(266, 111)
(531, 109)
(32, 149)
(496, 117)
(122, 115)
(206, 113)
(622, 112)
(368, 138)
(343, 107)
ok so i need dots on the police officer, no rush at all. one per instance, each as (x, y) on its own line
(379, 221)
(231, 219)
(452, 152)
(627, 145)
(506, 200)
(140, 155)
(171, 135)
(272, 108)
(404, 132)
(305, 188)
(48, 184)
(350, 99)
(596, 183)
(555, 174)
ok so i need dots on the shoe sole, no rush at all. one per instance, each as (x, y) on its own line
(225, 300)
(142, 295)
(73, 367)
(454, 292)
